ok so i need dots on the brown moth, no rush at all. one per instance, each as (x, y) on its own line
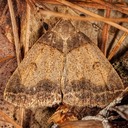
(64, 66)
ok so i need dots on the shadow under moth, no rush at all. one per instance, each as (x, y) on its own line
(63, 66)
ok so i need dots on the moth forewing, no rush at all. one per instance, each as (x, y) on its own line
(36, 82)
(90, 78)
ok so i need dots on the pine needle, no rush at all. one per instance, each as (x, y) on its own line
(117, 46)
(15, 31)
(74, 6)
(9, 119)
(67, 16)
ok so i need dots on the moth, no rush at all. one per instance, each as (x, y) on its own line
(64, 66)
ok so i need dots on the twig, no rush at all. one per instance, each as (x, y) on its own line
(108, 5)
(9, 119)
(57, 14)
(117, 46)
(91, 14)
(15, 31)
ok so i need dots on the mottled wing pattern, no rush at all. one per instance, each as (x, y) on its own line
(90, 78)
(36, 82)
(64, 66)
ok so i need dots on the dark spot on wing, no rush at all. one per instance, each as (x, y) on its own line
(96, 65)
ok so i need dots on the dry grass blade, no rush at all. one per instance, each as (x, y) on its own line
(92, 14)
(15, 31)
(27, 29)
(116, 48)
(6, 58)
(57, 14)
(108, 5)
(22, 111)
(9, 119)
(4, 121)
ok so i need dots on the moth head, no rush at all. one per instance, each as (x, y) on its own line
(65, 28)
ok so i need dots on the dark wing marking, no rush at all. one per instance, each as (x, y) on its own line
(53, 39)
